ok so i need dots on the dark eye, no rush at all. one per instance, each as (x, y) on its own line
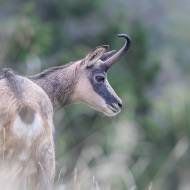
(100, 78)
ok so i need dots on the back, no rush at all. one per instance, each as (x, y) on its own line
(26, 129)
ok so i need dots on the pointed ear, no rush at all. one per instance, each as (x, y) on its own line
(95, 55)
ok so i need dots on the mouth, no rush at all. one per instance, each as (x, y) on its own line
(114, 109)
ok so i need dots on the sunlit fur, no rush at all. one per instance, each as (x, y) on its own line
(26, 143)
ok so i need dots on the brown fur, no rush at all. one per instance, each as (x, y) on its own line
(58, 83)
(32, 155)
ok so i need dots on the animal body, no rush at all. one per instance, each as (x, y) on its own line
(26, 128)
(26, 111)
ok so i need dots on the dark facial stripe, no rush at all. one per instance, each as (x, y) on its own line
(102, 89)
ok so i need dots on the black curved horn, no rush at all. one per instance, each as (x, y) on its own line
(114, 58)
(128, 40)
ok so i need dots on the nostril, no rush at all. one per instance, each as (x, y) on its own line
(120, 105)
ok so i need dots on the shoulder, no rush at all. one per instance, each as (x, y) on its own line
(36, 94)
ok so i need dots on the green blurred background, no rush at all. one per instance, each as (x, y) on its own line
(147, 146)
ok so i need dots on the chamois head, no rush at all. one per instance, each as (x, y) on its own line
(92, 86)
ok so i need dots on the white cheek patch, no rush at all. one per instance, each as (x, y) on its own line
(27, 131)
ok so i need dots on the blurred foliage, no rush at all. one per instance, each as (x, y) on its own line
(147, 145)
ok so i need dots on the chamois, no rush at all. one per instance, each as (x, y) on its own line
(84, 81)
(26, 140)
(26, 112)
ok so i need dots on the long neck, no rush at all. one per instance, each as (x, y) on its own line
(58, 83)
